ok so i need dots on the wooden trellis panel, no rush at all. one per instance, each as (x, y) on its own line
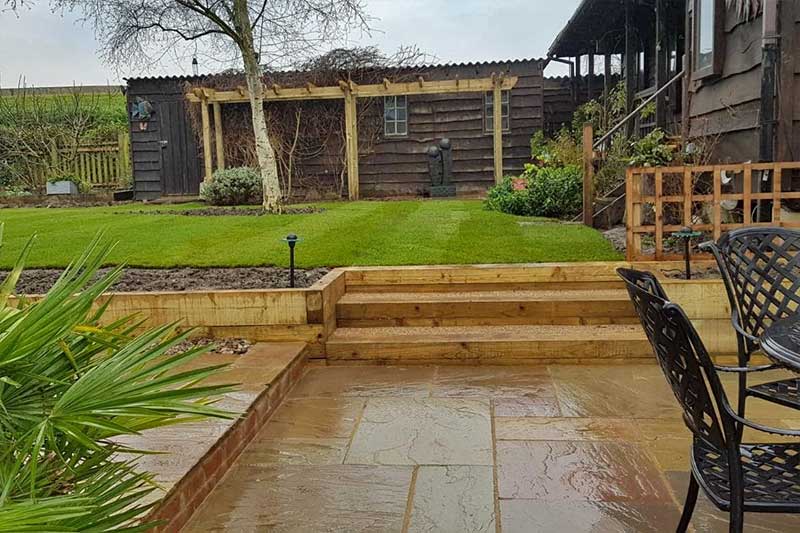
(647, 199)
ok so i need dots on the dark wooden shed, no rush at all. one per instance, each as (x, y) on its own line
(168, 154)
(164, 149)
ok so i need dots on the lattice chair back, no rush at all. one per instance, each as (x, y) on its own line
(683, 359)
(761, 268)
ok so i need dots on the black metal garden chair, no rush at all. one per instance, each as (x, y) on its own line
(736, 477)
(761, 270)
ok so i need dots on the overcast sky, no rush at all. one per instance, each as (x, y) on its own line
(49, 49)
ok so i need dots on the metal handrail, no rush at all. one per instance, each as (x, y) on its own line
(636, 111)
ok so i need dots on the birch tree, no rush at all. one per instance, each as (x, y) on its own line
(258, 33)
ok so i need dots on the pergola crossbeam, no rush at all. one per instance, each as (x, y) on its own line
(312, 92)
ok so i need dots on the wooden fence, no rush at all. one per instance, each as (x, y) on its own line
(710, 199)
(104, 165)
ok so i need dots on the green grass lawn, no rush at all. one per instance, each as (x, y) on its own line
(347, 233)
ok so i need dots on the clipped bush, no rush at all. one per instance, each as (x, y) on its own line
(553, 192)
(233, 186)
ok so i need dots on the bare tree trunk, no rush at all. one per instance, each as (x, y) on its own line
(252, 71)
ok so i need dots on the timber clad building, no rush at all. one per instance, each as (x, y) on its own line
(168, 153)
(727, 70)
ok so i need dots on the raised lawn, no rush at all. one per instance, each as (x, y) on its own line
(346, 233)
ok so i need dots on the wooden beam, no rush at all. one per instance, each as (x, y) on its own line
(497, 129)
(207, 163)
(590, 77)
(218, 135)
(662, 62)
(631, 70)
(588, 175)
(351, 143)
(474, 85)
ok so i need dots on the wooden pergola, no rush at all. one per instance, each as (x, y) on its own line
(349, 92)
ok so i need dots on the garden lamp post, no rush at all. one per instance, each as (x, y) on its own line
(291, 240)
(686, 234)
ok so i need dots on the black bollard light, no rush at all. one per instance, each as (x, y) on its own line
(291, 240)
(686, 234)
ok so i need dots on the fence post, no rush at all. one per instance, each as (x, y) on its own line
(588, 174)
(123, 155)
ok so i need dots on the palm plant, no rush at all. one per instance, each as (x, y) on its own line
(70, 385)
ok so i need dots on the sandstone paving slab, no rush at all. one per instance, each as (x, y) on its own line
(315, 418)
(557, 471)
(614, 391)
(526, 406)
(431, 431)
(307, 499)
(531, 516)
(569, 429)
(294, 451)
(514, 390)
(453, 498)
(366, 381)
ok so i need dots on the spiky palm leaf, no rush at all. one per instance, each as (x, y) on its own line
(68, 386)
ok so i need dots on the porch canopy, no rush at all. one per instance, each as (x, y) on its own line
(597, 26)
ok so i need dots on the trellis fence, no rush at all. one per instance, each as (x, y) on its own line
(103, 165)
(709, 199)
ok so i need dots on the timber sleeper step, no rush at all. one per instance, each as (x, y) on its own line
(488, 344)
(517, 307)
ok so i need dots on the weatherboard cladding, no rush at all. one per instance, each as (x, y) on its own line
(395, 165)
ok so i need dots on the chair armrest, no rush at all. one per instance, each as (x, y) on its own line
(737, 325)
(761, 427)
(744, 369)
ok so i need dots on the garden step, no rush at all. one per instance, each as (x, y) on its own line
(490, 344)
(520, 307)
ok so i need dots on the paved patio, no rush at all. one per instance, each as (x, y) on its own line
(462, 449)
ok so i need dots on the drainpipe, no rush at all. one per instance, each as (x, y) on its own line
(770, 49)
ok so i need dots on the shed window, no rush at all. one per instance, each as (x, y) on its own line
(504, 110)
(707, 38)
(395, 115)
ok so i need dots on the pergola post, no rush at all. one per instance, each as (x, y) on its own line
(590, 77)
(497, 128)
(218, 140)
(207, 162)
(351, 143)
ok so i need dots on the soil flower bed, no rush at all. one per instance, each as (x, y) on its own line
(39, 280)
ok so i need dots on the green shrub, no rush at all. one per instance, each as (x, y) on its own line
(233, 186)
(549, 192)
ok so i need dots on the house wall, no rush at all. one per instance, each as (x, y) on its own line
(729, 105)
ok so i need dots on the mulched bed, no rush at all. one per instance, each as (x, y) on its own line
(232, 346)
(698, 272)
(39, 280)
(226, 212)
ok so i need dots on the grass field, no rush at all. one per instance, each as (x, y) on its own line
(357, 233)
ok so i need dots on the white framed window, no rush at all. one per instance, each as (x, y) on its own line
(708, 37)
(488, 110)
(395, 116)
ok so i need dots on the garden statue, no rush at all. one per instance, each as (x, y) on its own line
(440, 163)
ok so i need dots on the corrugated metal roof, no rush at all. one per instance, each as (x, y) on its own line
(423, 66)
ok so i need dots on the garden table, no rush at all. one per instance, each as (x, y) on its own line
(781, 342)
